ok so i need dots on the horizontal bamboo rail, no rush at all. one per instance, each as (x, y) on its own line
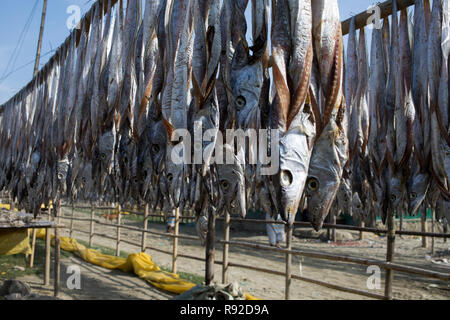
(363, 19)
(304, 253)
(305, 279)
(298, 223)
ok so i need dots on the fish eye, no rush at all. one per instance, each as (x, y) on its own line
(358, 206)
(393, 197)
(103, 156)
(83, 180)
(413, 195)
(155, 148)
(60, 176)
(313, 184)
(286, 178)
(135, 180)
(225, 185)
(240, 102)
(169, 177)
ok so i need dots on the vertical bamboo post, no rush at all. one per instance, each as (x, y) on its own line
(401, 222)
(333, 232)
(226, 248)
(432, 229)
(144, 234)
(57, 255)
(328, 228)
(118, 232)
(361, 234)
(33, 247)
(289, 227)
(175, 240)
(11, 203)
(423, 219)
(390, 254)
(210, 247)
(47, 257)
(71, 221)
(91, 229)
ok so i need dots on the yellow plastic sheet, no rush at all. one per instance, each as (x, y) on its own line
(14, 242)
(140, 263)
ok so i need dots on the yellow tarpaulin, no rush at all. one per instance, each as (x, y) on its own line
(139, 263)
(14, 242)
(7, 206)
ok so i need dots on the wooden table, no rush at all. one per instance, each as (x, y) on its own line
(43, 224)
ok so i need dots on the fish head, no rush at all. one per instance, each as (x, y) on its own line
(34, 165)
(106, 145)
(201, 226)
(395, 192)
(175, 172)
(62, 169)
(417, 189)
(158, 146)
(294, 162)
(232, 183)
(136, 176)
(344, 195)
(86, 181)
(358, 209)
(325, 173)
(246, 84)
(124, 156)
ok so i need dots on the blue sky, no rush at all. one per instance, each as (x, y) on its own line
(14, 16)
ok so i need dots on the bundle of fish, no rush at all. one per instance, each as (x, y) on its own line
(111, 117)
(399, 158)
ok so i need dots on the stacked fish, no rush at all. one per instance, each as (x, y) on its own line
(399, 158)
(109, 118)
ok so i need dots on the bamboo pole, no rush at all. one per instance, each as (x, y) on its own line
(210, 247)
(57, 257)
(433, 212)
(47, 257)
(333, 231)
(390, 254)
(91, 229)
(289, 228)
(423, 219)
(361, 233)
(175, 241)
(305, 279)
(364, 18)
(71, 221)
(41, 31)
(118, 232)
(144, 235)
(33, 247)
(226, 248)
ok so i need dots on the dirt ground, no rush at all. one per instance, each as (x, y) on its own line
(103, 284)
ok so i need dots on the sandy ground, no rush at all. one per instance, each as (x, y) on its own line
(103, 284)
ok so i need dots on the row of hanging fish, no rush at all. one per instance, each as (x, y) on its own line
(398, 111)
(101, 121)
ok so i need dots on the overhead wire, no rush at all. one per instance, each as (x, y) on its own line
(16, 52)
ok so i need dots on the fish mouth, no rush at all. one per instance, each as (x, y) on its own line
(414, 205)
(316, 220)
(289, 210)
